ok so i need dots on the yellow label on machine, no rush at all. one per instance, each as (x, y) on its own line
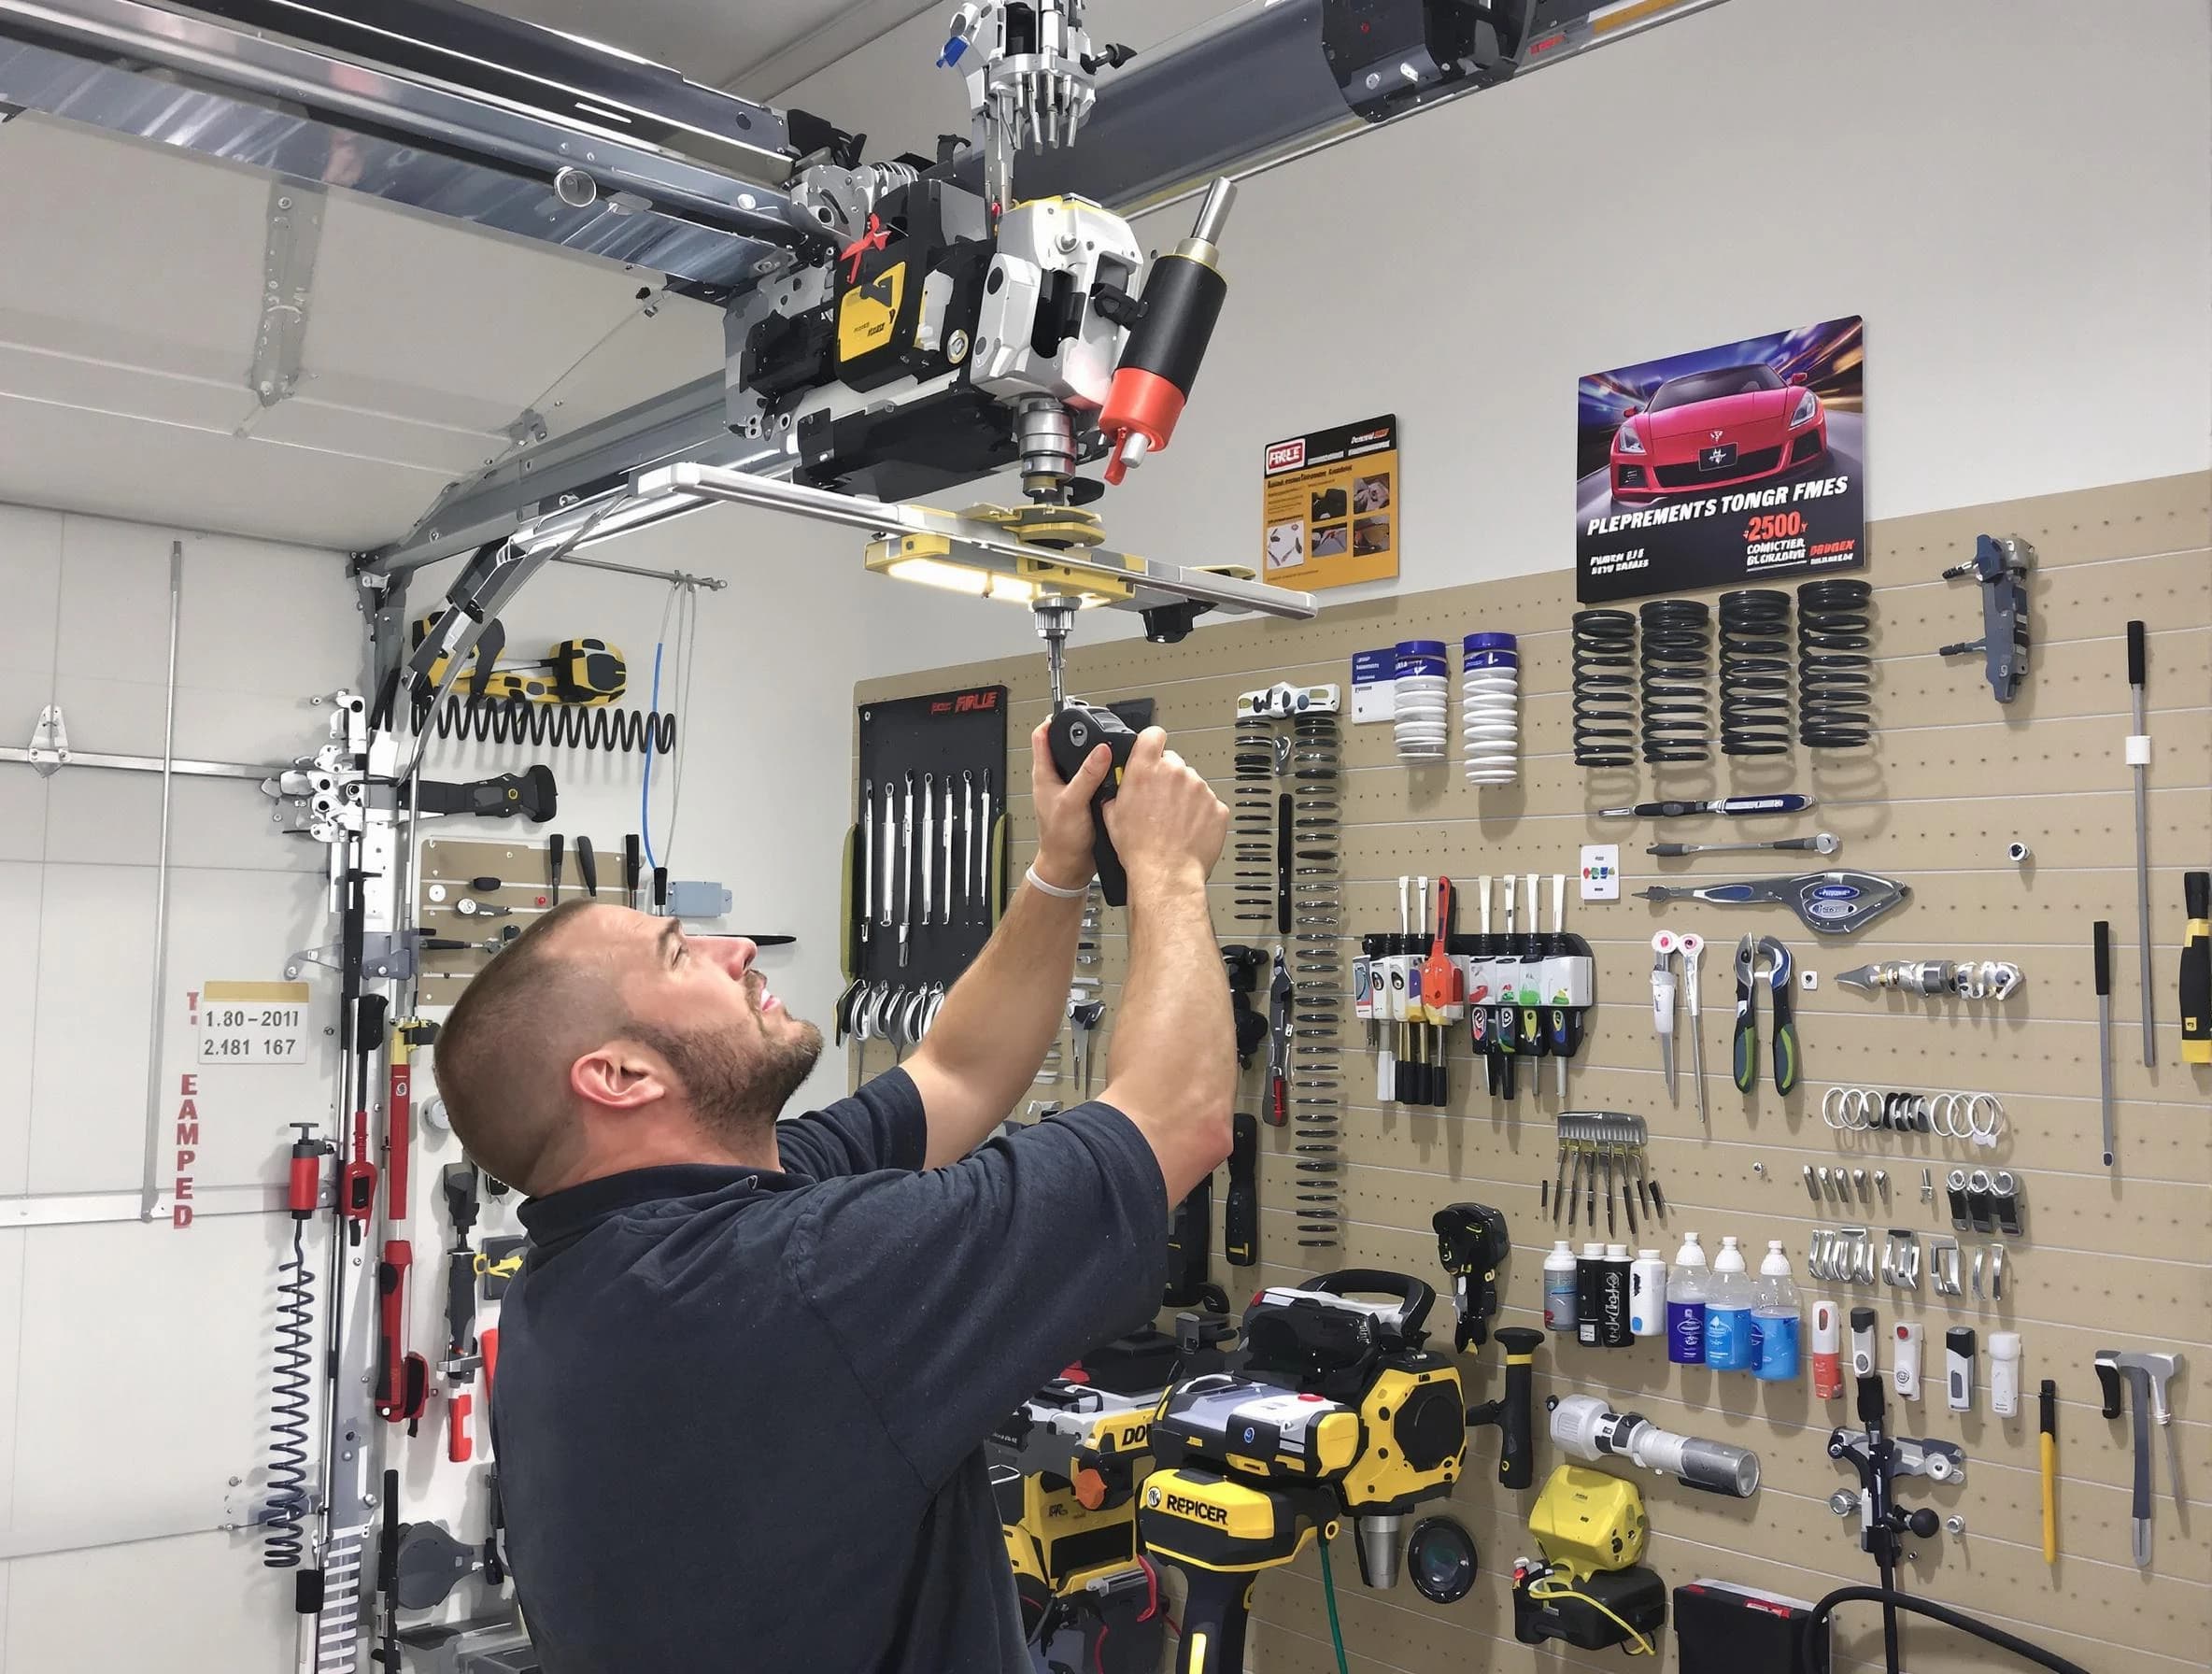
(865, 313)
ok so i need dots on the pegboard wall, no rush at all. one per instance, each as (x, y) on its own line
(2111, 1257)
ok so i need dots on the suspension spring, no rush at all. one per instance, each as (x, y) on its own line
(1755, 672)
(1834, 665)
(1676, 657)
(1603, 688)
(555, 725)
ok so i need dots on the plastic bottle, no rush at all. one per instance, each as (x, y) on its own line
(1647, 1295)
(1589, 1286)
(1687, 1287)
(1612, 1300)
(1728, 1311)
(1775, 1324)
(1559, 1288)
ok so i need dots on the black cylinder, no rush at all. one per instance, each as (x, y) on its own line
(1603, 688)
(1182, 299)
(1835, 665)
(1677, 695)
(1755, 672)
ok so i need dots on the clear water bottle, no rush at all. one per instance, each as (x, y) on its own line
(1728, 1311)
(1775, 1322)
(1686, 1290)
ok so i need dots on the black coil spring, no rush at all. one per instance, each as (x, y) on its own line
(1834, 665)
(1254, 812)
(1603, 688)
(556, 726)
(1677, 658)
(1755, 672)
(287, 1501)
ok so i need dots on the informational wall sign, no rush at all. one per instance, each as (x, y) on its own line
(1329, 506)
(1723, 466)
(251, 1022)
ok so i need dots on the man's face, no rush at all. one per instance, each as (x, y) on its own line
(698, 1002)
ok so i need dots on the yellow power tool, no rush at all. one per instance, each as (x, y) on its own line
(1338, 1411)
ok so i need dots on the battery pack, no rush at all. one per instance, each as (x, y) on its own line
(1722, 1628)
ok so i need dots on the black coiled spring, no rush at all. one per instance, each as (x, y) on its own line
(555, 725)
(287, 1501)
(1677, 657)
(1834, 665)
(1755, 672)
(1605, 688)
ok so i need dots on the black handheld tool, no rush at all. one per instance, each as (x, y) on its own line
(555, 846)
(1790, 803)
(1190, 1232)
(633, 862)
(1240, 1223)
(1512, 1410)
(588, 865)
(1074, 731)
(531, 794)
(1471, 1243)
(2101, 954)
(2196, 970)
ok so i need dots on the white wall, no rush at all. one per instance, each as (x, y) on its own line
(2023, 214)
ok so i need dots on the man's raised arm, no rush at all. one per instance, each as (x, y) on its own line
(1173, 1070)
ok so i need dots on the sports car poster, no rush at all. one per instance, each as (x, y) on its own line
(1723, 466)
(1329, 506)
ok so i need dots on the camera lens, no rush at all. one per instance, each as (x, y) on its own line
(1441, 1557)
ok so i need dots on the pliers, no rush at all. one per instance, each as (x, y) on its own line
(1749, 953)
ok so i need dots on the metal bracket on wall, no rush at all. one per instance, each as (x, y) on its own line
(49, 752)
(287, 276)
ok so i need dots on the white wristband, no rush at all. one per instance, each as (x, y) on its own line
(1054, 889)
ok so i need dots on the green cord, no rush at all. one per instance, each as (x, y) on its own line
(1329, 1591)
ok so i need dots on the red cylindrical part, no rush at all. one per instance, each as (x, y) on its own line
(304, 1188)
(1140, 403)
(1182, 299)
(488, 1345)
(458, 1446)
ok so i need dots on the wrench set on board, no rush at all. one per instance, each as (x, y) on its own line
(924, 859)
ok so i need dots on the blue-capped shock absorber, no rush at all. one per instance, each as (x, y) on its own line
(287, 1501)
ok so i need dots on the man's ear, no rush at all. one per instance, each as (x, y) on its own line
(620, 1076)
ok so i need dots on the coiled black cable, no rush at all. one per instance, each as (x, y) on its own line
(287, 1501)
(1603, 688)
(555, 725)
(1835, 665)
(1676, 657)
(1755, 672)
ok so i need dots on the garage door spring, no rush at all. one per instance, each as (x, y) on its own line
(286, 1500)
(1834, 665)
(556, 726)
(1677, 658)
(1755, 672)
(1603, 688)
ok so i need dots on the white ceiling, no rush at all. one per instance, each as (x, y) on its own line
(757, 46)
(129, 305)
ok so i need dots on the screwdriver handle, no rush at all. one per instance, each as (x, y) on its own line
(633, 863)
(588, 865)
(2101, 941)
(554, 850)
(2135, 656)
(1785, 1055)
(1746, 1050)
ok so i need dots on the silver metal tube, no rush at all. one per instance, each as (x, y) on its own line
(2143, 883)
(152, 764)
(1214, 213)
(149, 1185)
(674, 577)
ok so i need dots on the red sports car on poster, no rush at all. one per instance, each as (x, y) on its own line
(1717, 429)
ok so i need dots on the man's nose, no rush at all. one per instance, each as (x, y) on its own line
(737, 954)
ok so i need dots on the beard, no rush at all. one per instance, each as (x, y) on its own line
(737, 1094)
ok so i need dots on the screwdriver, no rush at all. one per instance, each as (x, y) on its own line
(553, 858)
(2101, 939)
(632, 869)
(588, 865)
(1789, 803)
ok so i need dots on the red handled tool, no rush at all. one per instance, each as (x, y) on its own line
(402, 1379)
(357, 1182)
(398, 1112)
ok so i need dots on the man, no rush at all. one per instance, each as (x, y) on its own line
(747, 1369)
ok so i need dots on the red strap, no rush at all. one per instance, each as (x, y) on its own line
(876, 238)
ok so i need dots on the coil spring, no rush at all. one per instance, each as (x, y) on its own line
(1677, 662)
(1603, 688)
(286, 1500)
(1255, 819)
(1834, 665)
(1316, 974)
(1490, 720)
(1755, 672)
(556, 726)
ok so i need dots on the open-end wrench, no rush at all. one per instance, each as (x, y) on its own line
(867, 868)
(967, 841)
(1825, 843)
(944, 907)
(890, 848)
(983, 851)
(906, 869)
(928, 855)
(1692, 946)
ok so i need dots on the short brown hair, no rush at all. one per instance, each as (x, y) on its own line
(504, 1052)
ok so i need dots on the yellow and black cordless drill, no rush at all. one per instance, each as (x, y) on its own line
(1337, 1410)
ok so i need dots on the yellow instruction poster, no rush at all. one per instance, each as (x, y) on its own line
(1329, 506)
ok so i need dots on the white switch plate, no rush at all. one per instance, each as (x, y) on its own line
(1601, 872)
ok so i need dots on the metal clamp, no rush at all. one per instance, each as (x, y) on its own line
(1943, 1267)
(1900, 1259)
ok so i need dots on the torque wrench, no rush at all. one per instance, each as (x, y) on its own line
(1831, 904)
(867, 857)
(2101, 937)
(2138, 754)
(1825, 843)
(1789, 803)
